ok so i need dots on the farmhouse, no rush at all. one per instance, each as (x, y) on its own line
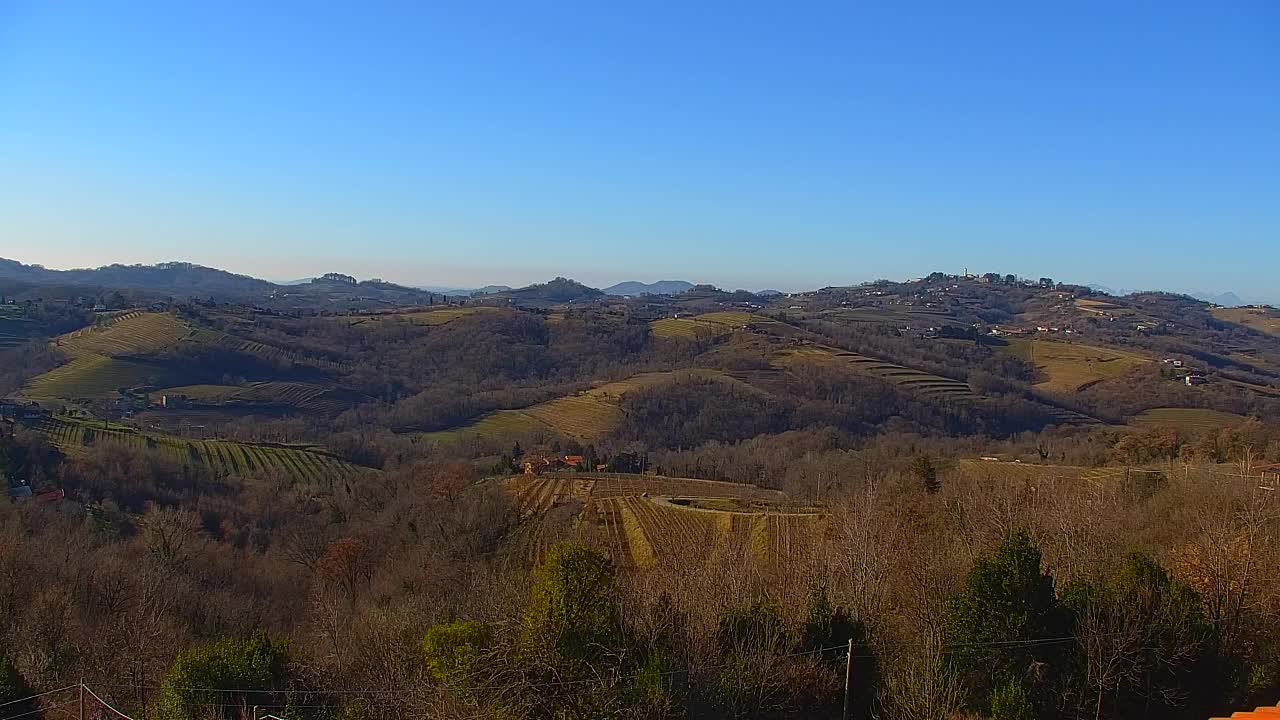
(1194, 379)
(21, 411)
(536, 464)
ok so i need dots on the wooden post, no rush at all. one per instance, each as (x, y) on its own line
(848, 679)
(82, 699)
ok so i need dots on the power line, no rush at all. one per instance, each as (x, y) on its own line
(40, 710)
(40, 695)
(104, 703)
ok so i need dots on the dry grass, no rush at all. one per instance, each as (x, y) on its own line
(731, 318)
(497, 424)
(1260, 319)
(1071, 367)
(686, 328)
(588, 415)
(705, 325)
(1103, 307)
(433, 316)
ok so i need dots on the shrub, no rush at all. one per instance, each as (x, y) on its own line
(243, 664)
(453, 649)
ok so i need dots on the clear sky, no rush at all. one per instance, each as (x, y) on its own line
(786, 145)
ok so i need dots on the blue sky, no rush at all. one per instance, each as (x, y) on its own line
(783, 145)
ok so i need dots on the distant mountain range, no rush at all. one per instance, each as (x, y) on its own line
(1226, 299)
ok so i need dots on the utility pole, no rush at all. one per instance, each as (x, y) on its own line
(848, 679)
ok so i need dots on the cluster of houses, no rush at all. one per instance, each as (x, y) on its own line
(1180, 370)
(539, 464)
(12, 410)
(998, 330)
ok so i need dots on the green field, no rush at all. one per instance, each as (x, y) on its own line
(1188, 418)
(224, 457)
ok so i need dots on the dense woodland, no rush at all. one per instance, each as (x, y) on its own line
(406, 590)
(394, 597)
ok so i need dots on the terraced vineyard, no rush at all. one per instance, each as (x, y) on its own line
(643, 520)
(303, 397)
(1188, 418)
(14, 329)
(587, 415)
(686, 328)
(904, 377)
(438, 316)
(269, 352)
(1042, 475)
(913, 316)
(224, 457)
(698, 326)
(131, 333)
(96, 376)
(583, 416)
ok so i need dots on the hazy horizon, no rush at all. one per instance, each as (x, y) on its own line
(746, 146)
(604, 280)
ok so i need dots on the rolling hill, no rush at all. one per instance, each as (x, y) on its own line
(178, 278)
(661, 287)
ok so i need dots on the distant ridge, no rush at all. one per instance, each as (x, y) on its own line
(183, 279)
(661, 287)
(557, 291)
(179, 278)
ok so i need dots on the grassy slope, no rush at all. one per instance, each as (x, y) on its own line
(706, 325)
(439, 316)
(586, 415)
(1267, 321)
(1070, 367)
(96, 376)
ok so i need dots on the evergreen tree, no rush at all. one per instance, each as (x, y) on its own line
(1006, 621)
